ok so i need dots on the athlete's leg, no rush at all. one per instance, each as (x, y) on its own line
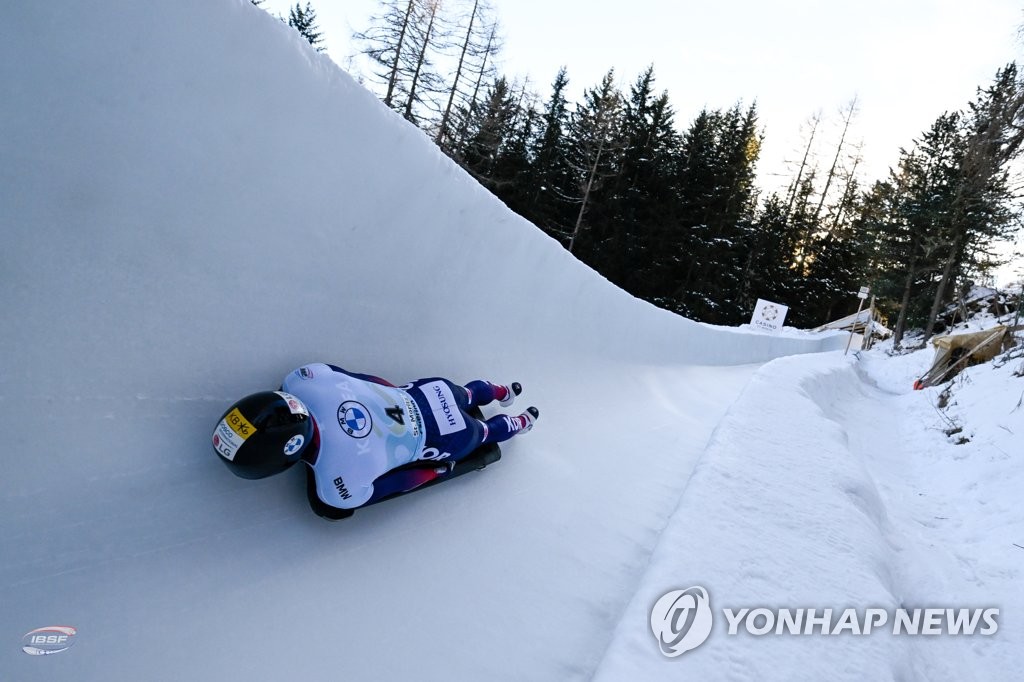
(484, 392)
(455, 434)
(502, 427)
(402, 481)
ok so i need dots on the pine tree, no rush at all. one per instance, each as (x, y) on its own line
(385, 41)
(511, 176)
(979, 212)
(769, 247)
(489, 128)
(480, 71)
(303, 20)
(833, 172)
(807, 162)
(642, 195)
(887, 247)
(400, 41)
(428, 34)
(476, 52)
(595, 142)
(552, 176)
(930, 182)
(717, 202)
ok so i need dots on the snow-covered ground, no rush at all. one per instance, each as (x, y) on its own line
(193, 203)
(830, 483)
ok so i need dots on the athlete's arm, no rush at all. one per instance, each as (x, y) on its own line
(320, 507)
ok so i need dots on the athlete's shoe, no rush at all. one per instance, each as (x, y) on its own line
(528, 418)
(511, 391)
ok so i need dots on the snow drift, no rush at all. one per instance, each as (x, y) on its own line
(193, 203)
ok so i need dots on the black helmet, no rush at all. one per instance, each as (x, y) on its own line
(264, 434)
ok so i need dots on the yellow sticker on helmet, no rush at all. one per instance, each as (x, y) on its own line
(239, 424)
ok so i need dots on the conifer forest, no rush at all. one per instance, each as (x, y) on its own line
(670, 209)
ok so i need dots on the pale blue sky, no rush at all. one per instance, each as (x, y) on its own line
(907, 61)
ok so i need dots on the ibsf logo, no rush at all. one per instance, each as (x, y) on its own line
(48, 640)
(681, 620)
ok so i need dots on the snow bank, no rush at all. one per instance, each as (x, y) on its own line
(778, 513)
(822, 489)
(952, 478)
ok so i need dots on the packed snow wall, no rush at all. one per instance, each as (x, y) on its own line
(194, 172)
(192, 203)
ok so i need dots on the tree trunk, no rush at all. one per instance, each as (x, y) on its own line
(586, 195)
(393, 78)
(988, 150)
(443, 127)
(849, 196)
(901, 320)
(460, 137)
(835, 160)
(420, 61)
(947, 272)
(803, 164)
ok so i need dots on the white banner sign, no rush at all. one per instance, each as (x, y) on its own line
(769, 316)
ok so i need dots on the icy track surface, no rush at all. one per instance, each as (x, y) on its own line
(194, 203)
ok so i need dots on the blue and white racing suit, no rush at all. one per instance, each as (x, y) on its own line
(367, 428)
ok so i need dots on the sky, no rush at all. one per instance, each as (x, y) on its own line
(905, 61)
